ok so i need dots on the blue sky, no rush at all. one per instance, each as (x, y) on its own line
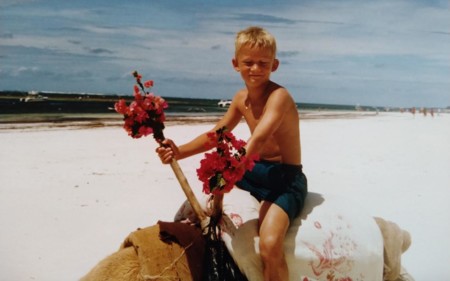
(379, 53)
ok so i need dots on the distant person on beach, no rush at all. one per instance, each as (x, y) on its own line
(277, 180)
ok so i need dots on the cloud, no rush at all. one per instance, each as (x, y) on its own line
(287, 54)
(262, 18)
(6, 35)
(75, 42)
(98, 51)
(28, 73)
(440, 32)
(320, 22)
(6, 3)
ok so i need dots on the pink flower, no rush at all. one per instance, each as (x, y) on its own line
(121, 106)
(147, 104)
(141, 116)
(250, 161)
(145, 115)
(145, 131)
(148, 84)
(137, 91)
(221, 169)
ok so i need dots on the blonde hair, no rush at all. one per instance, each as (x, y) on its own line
(255, 37)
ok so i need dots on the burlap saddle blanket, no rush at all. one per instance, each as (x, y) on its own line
(165, 251)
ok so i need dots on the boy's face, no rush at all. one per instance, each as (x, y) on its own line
(255, 65)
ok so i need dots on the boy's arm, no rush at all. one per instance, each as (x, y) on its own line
(198, 145)
(275, 110)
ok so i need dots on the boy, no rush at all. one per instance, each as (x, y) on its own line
(277, 179)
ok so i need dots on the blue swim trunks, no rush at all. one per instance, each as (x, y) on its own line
(283, 184)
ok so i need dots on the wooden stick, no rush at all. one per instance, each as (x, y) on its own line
(217, 206)
(187, 190)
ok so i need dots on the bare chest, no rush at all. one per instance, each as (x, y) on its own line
(253, 116)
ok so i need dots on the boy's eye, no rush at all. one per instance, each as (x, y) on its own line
(260, 64)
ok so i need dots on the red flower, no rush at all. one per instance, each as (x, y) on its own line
(225, 166)
(137, 91)
(148, 84)
(145, 131)
(145, 115)
(121, 106)
(250, 162)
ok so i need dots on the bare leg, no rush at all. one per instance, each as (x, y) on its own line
(274, 223)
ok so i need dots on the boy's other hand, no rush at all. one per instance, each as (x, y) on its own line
(167, 152)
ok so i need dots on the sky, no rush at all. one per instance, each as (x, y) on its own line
(377, 53)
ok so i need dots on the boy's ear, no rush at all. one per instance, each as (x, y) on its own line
(275, 65)
(235, 64)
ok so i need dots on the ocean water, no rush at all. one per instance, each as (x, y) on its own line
(24, 107)
(42, 102)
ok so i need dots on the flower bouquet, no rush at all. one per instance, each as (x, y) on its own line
(145, 116)
(221, 169)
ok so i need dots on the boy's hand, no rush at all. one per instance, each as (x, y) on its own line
(168, 151)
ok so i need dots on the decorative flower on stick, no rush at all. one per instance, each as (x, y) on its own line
(221, 169)
(145, 115)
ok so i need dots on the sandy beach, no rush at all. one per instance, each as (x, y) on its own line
(69, 195)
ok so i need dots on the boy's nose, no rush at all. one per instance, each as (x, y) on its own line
(255, 67)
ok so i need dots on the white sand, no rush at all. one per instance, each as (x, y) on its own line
(69, 197)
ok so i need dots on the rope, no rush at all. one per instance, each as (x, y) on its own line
(169, 267)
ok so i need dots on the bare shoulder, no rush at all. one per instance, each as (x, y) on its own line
(240, 95)
(239, 98)
(279, 96)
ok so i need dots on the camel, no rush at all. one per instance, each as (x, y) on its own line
(326, 242)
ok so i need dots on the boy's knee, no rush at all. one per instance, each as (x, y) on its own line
(270, 247)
